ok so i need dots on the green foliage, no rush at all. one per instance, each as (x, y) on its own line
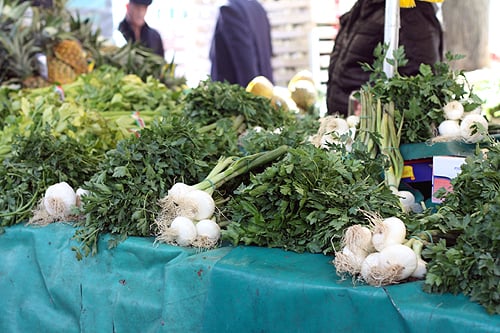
(113, 89)
(124, 194)
(229, 110)
(294, 135)
(37, 161)
(304, 201)
(211, 101)
(470, 263)
(421, 97)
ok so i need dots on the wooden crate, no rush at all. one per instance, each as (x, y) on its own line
(291, 26)
(323, 40)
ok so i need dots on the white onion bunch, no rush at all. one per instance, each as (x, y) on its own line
(331, 130)
(458, 124)
(188, 221)
(385, 258)
(187, 215)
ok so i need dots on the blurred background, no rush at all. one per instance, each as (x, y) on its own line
(303, 32)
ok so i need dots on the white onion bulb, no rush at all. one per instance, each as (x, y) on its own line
(449, 128)
(468, 128)
(388, 232)
(208, 229)
(454, 110)
(399, 259)
(184, 229)
(59, 199)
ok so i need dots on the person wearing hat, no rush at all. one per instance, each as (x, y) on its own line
(135, 29)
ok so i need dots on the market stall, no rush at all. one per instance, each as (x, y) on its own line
(102, 156)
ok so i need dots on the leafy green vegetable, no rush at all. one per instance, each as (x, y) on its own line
(211, 101)
(123, 199)
(230, 110)
(37, 161)
(111, 89)
(305, 200)
(420, 98)
(470, 262)
(293, 135)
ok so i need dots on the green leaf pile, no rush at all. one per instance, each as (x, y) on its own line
(471, 263)
(421, 97)
(304, 201)
(211, 101)
(124, 194)
(37, 161)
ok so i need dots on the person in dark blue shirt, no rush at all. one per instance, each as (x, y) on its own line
(241, 44)
(135, 29)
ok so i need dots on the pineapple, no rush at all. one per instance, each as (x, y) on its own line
(72, 54)
(60, 72)
(35, 81)
(17, 47)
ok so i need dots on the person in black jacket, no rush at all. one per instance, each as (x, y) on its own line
(135, 29)
(241, 46)
(361, 29)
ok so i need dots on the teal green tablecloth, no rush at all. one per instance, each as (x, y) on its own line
(143, 287)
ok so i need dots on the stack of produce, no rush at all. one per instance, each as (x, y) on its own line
(44, 46)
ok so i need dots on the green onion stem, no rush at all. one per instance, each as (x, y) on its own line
(231, 167)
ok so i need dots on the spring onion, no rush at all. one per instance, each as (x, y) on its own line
(196, 202)
(473, 128)
(453, 110)
(449, 129)
(59, 199)
(182, 231)
(208, 234)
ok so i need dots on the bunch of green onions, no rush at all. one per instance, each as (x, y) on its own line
(379, 134)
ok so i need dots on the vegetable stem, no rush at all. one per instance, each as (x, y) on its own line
(231, 167)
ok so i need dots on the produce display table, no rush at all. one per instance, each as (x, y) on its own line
(145, 287)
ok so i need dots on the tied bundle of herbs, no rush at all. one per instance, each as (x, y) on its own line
(305, 200)
(123, 197)
(469, 261)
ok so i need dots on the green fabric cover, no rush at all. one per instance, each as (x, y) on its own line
(141, 286)
(415, 151)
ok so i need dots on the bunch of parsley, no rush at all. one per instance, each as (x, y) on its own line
(124, 194)
(305, 200)
(36, 161)
(470, 262)
(211, 101)
(228, 110)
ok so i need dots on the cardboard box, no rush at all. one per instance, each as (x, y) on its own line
(415, 171)
(444, 169)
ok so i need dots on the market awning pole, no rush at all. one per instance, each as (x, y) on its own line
(391, 33)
